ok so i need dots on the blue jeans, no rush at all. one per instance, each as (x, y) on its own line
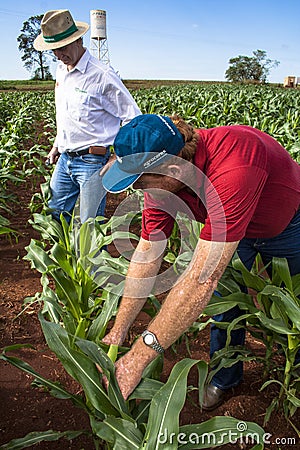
(285, 245)
(78, 176)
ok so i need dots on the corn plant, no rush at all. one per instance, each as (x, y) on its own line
(74, 316)
(150, 423)
(82, 286)
(39, 200)
(182, 242)
(6, 229)
(273, 110)
(274, 319)
(87, 282)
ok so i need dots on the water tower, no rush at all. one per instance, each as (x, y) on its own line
(99, 47)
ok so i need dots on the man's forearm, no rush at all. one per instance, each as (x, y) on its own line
(140, 279)
(188, 298)
(181, 308)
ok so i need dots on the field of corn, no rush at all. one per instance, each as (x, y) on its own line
(76, 303)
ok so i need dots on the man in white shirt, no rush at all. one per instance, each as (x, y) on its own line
(91, 103)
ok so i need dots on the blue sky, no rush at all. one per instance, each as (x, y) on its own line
(171, 39)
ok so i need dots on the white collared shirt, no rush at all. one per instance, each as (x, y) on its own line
(91, 102)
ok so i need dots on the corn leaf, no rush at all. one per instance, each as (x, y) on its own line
(99, 357)
(55, 388)
(121, 433)
(218, 305)
(79, 366)
(166, 406)
(38, 257)
(40, 436)
(251, 280)
(288, 304)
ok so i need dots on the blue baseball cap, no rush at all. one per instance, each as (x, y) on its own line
(145, 142)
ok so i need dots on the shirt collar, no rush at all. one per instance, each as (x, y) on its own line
(83, 62)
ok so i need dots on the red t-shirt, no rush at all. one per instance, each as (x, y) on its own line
(247, 186)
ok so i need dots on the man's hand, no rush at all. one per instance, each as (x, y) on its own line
(128, 375)
(114, 337)
(130, 368)
(53, 156)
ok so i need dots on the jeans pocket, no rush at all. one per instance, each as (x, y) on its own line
(94, 159)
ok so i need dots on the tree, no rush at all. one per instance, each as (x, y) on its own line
(34, 60)
(250, 68)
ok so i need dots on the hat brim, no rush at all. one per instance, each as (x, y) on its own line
(40, 45)
(116, 180)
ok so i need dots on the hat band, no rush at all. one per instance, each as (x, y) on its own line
(60, 36)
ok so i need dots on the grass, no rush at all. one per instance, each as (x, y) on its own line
(24, 85)
(130, 84)
(27, 85)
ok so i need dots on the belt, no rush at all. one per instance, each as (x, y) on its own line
(93, 150)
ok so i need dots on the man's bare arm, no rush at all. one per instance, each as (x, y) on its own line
(190, 295)
(143, 268)
(182, 307)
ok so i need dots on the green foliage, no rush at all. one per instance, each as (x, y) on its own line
(74, 315)
(274, 319)
(182, 242)
(270, 109)
(273, 110)
(87, 282)
(81, 286)
(40, 436)
(5, 228)
(19, 161)
(152, 423)
(250, 68)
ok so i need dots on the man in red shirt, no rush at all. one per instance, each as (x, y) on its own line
(241, 184)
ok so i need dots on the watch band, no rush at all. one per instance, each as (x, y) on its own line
(154, 344)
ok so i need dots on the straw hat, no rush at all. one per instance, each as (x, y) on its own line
(58, 29)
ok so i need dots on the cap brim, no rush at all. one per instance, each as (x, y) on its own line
(116, 180)
(40, 45)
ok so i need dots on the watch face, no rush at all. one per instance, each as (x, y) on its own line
(149, 339)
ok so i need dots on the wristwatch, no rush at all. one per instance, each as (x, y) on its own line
(151, 340)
